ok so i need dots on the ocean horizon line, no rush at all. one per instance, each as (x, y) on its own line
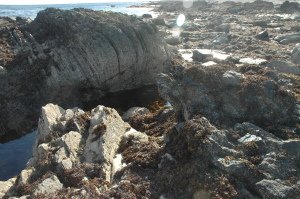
(80, 3)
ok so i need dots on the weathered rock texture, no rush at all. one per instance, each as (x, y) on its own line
(226, 96)
(289, 7)
(246, 162)
(81, 53)
(73, 148)
(97, 155)
(296, 55)
(98, 49)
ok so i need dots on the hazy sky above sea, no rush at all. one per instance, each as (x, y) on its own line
(32, 2)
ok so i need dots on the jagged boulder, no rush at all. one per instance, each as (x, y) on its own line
(6, 186)
(81, 53)
(72, 149)
(264, 36)
(105, 134)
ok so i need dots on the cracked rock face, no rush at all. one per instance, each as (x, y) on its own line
(81, 53)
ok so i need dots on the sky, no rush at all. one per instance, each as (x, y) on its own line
(32, 2)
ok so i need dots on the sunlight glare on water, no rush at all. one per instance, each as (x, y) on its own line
(180, 20)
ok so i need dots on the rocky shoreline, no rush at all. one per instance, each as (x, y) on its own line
(81, 53)
(229, 72)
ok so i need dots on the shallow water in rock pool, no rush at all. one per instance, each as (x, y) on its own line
(15, 154)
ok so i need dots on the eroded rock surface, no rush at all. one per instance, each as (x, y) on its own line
(73, 147)
(81, 53)
(96, 154)
(225, 95)
(296, 54)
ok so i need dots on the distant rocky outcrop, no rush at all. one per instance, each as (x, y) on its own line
(73, 56)
(289, 7)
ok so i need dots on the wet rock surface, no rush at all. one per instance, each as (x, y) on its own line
(82, 53)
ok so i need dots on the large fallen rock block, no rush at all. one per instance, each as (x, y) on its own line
(97, 48)
(226, 95)
(81, 53)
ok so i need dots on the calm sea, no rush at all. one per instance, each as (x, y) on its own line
(30, 11)
(14, 155)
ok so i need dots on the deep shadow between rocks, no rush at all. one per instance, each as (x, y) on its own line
(121, 101)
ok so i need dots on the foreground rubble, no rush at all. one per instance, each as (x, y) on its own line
(163, 154)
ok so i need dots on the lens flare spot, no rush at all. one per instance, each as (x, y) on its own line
(187, 3)
(180, 20)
